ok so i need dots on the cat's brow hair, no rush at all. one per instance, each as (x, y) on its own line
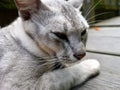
(70, 14)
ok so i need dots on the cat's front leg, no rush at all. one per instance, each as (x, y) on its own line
(86, 69)
(69, 77)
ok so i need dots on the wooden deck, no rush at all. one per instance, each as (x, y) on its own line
(104, 45)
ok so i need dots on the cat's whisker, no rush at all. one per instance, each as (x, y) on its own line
(47, 63)
(92, 8)
(51, 58)
(48, 60)
(51, 66)
(54, 66)
(87, 9)
(92, 22)
(42, 58)
(98, 15)
(46, 57)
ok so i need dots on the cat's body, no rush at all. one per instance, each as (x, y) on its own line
(44, 38)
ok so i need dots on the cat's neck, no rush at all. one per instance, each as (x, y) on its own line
(27, 68)
(18, 33)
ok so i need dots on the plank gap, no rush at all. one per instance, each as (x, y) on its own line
(104, 53)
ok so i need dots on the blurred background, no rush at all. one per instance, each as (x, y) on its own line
(93, 10)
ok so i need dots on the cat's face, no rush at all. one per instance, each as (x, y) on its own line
(57, 27)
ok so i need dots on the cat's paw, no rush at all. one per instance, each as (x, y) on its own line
(91, 67)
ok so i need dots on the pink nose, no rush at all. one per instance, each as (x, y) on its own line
(79, 56)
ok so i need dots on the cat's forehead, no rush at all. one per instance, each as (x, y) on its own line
(58, 5)
(61, 16)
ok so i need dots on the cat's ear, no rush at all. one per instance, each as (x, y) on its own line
(27, 7)
(76, 3)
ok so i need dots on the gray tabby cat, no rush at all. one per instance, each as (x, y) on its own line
(39, 50)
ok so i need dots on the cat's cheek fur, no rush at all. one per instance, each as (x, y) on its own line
(69, 77)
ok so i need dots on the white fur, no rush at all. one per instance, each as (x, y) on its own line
(75, 75)
(21, 34)
(76, 3)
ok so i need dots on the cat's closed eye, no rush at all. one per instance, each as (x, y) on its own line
(61, 35)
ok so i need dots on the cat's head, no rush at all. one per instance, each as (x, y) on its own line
(57, 27)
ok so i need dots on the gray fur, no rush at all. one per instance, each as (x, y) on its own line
(76, 3)
(29, 50)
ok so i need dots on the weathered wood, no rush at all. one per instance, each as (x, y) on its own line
(112, 21)
(106, 40)
(109, 78)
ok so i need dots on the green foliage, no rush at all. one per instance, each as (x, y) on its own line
(8, 4)
(99, 4)
(107, 4)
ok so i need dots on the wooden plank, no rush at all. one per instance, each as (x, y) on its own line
(105, 40)
(112, 21)
(109, 78)
(108, 31)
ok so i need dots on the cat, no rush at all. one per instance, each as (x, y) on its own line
(42, 48)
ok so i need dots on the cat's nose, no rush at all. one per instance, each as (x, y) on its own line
(79, 56)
